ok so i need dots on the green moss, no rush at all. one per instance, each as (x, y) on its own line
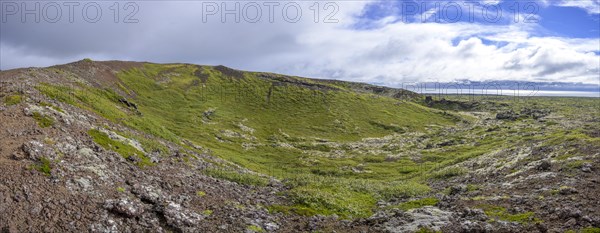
(500, 213)
(241, 178)
(426, 230)
(415, 204)
(43, 121)
(577, 164)
(200, 193)
(254, 228)
(120, 189)
(374, 159)
(473, 187)
(346, 197)
(300, 210)
(319, 147)
(207, 212)
(123, 149)
(401, 189)
(590, 230)
(44, 166)
(449, 172)
(44, 104)
(13, 100)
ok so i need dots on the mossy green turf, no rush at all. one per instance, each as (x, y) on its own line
(123, 149)
(278, 128)
(43, 165)
(13, 100)
(500, 213)
(43, 121)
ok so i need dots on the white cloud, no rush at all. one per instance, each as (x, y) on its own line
(392, 52)
(591, 6)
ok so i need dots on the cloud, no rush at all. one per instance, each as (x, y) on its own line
(590, 6)
(389, 51)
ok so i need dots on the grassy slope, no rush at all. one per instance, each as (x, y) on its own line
(173, 97)
(302, 134)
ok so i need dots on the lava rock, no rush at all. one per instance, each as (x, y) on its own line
(179, 217)
(507, 115)
(587, 167)
(124, 207)
(545, 165)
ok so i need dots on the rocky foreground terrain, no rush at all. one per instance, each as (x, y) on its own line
(120, 147)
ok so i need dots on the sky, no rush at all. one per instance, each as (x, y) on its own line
(384, 42)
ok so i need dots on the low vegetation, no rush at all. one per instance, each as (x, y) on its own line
(500, 213)
(42, 120)
(44, 166)
(234, 176)
(13, 100)
(338, 151)
(125, 150)
(430, 201)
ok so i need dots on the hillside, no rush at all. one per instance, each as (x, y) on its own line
(132, 146)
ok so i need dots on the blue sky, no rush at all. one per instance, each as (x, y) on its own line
(375, 41)
(550, 19)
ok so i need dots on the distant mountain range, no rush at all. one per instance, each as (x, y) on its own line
(497, 86)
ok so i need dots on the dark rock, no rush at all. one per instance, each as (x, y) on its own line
(428, 99)
(128, 103)
(457, 189)
(474, 214)
(544, 166)
(507, 115)
(567, 190)
(541, 227)
(569, 212)
(535, 113)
